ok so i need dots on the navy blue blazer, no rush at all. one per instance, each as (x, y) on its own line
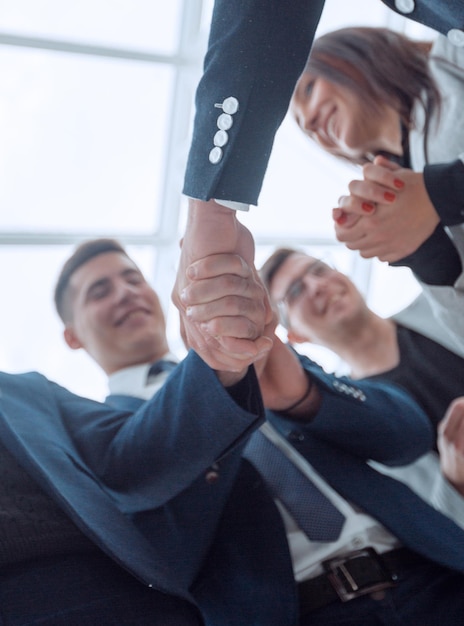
(109, 468)
(247, 576)
(257, 50)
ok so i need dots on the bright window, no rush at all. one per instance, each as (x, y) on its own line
(96, 103)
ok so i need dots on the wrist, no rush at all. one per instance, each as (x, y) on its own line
(229, 379)
(200, 208)
(300, 401)
(307, 405)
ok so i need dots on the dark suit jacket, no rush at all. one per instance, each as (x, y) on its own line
(441, 15)
(247, 576)
(110, 468)
(135, 482)
(256, 52)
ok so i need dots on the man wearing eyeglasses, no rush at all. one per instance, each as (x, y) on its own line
(330, 564)
(318, 304)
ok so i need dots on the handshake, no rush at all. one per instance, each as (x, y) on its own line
(225, 313)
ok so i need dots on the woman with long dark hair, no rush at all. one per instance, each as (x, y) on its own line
(394, 105)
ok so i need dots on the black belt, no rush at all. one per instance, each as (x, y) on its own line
(354, 574)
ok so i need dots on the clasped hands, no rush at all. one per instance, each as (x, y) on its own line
(388, 214)
(225, 312)
(223, 305)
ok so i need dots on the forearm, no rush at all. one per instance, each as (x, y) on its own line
(257, 50)
(370, 420)
(150, 456)
(306, 406)
(445, 185)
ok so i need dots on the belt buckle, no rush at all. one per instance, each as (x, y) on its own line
(343, 581)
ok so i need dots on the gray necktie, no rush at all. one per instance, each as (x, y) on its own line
(313, 512)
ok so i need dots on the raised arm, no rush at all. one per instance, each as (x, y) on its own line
(228, 334)
(372, 420)
(257, 49)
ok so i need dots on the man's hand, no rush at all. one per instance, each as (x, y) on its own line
(451, 444)
(284, 382)
(225, 309)
(388, 214)
(281, 377)
(214, 229)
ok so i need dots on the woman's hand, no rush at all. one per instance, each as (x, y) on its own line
(388, 214)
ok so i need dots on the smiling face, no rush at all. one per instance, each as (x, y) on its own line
(115, 315)
(338, 119)
(319, 303)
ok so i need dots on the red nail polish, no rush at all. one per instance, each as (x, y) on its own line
(368, 207)
(389, 196)
(342, 219)
(398, 183)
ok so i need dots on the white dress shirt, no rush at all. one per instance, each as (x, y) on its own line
(133, 380)
(360, 530)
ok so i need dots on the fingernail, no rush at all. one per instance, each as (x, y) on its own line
(398, 183)
(341, 219)
(368, 207)
(191, 271)
(389, 196)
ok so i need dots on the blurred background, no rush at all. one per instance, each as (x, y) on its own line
(96, 107)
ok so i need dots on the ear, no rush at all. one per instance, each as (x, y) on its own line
(71, 338)
(295, 338)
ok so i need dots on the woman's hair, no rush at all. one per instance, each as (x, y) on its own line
(381, 66)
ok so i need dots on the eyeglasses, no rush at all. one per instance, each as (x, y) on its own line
(318, 269)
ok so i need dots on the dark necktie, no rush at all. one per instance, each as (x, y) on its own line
(314, 513)
(416, 524)
(158, 367)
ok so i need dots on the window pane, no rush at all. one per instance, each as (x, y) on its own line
(301, 186)
(391, 288)
(83, 141)
(149, 25)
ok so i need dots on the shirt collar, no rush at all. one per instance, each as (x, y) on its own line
(132, 380)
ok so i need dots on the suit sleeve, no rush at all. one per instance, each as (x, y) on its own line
(257, 50)
(445, 185)
(426, 479)
(436, 261)
(150, 456)
(371, 420)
